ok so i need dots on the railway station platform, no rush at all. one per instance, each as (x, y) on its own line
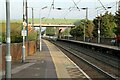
(50, 63)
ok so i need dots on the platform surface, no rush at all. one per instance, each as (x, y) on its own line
(51, 62)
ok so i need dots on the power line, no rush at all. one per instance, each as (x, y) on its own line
(52, 6)
(76, 5)
(70, 8)
(102, 5)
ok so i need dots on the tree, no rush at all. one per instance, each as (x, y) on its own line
(95, 22)
(117, 21)
(107, 25)
(78, 30)
(50, 31)
(89, 28)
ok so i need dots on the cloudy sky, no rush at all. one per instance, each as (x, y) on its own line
(16, 8)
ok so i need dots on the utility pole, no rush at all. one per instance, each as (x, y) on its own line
(8, 55)
(119, 5)
(98, 30)
(86, 18)
(40, 33)
(26, 13)
(85, 24)
(116, 5)
(68, 32)
(84, 32)
(32, 18)
(98, 39)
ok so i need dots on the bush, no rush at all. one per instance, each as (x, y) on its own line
(16, 33)
(16, 37)
(32, 35)
(3, 37)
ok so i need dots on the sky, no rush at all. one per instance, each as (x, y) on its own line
(94, 6)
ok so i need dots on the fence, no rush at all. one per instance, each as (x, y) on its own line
(16, 51)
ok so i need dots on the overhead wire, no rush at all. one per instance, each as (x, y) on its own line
(70, 8)
(76, 5)
(101, 8)
(102, 5)
(51, 7)
(93, 14)
(73, 7)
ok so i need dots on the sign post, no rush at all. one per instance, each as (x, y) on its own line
(23, 33)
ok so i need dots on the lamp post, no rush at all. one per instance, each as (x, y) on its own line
(32, 17)
(24, 32)
(99, 39)
(99, 30)
(8, 55)
(26, 13)
(40, 28)
(55, 28)
(85, 21)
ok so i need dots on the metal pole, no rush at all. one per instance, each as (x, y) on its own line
(23, 49)
(98, 28)
(45, 32)
(26, 18)
(68, 33)
(98, 31)
(40, 28)
(8, 55)
(119, 5)
(86, 19)
(86, 13)
(24, 24)
(116, 5)
(85, 24)
(84, 32)
(40, 32)
(55, 31)
(32, 18)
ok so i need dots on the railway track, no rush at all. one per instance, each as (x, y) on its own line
(95, 68)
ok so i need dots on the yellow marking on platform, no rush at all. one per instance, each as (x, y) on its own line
(58, 61)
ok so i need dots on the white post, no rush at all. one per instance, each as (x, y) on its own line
(41, 28)
(98, 29)
(99, 39)
(23, 32)
(40, 49)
